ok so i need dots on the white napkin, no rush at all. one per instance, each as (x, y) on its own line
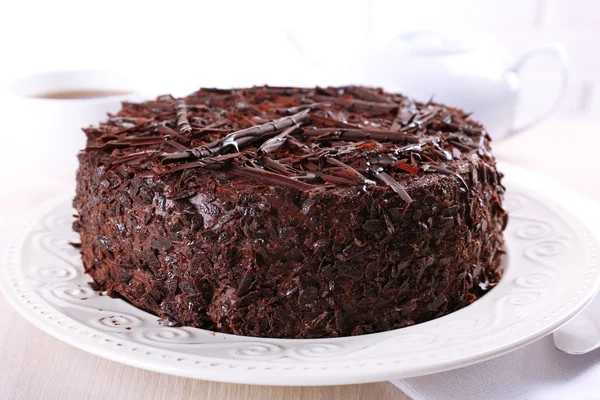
(537, 371)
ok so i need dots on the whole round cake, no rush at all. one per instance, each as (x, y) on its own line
(291, 213)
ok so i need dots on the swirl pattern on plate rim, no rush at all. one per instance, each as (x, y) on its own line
(540, 241)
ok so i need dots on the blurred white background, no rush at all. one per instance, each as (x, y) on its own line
(179, 45)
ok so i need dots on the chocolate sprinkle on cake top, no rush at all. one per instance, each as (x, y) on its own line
(340, 136)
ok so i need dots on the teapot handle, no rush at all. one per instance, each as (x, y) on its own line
(560, 57)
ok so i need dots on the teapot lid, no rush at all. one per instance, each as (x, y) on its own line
(428, 43)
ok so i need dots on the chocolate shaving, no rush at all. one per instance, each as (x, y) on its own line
(465, 140)
(331, 122)
(130, 129)
(337, 180)
(406, 113)
(182, 121)
(133, 157)
(368, 94)
(118, 121)
(308, 176)
(296, 144)
(326, 91)
(208, 162)
(369, 134)
(359, 105)
(275, 166)
(459, 145)
(176, 145)
(276, 142)
(128, 142)
(165, 130)
(407, 168)
(165, 97)
(349, 168)
(392, 183)
(245, 283)
(211, 127)
(444, 154)
(388, 222)
(293, 110)
(443, 170)
(269, 178)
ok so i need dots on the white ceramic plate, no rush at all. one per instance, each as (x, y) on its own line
(551, 275)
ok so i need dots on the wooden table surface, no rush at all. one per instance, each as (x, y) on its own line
(33, 365)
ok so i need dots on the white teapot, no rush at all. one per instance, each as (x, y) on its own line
(425, 65)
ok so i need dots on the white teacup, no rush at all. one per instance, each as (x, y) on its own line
(45, 120)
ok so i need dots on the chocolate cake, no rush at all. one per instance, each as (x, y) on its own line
(291, 213)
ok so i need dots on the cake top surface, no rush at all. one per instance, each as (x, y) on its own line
(306, 139)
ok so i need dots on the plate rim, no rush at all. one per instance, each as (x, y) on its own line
(316, 376)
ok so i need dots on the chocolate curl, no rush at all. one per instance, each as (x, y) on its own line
(276, 142)
(257, 130)
(182, 121)
(198, 152)
(233, 139)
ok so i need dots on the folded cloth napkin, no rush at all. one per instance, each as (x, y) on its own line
(537, 371)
